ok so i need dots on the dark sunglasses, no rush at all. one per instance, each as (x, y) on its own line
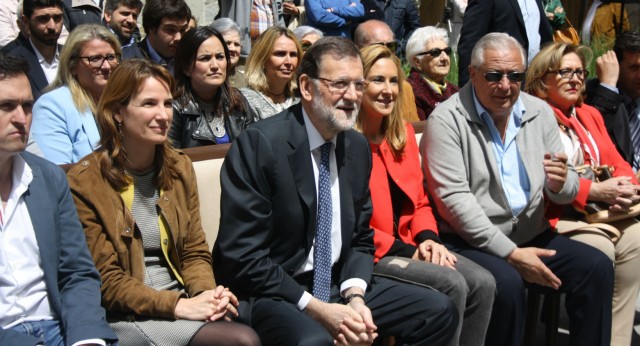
(393, 46)
(513, 77)
(435, 52)
(305, 45)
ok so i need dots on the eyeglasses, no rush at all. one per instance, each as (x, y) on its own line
(305, 45)
(393, 45)
(342, 85)
(435, 52)
(568, 73)
(513, 77)
(97, 60)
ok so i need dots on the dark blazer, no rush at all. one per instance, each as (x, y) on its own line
(23, 49)
(485, 16)
(78, 12)
(269, 207)
(73, 284)
(615, 116)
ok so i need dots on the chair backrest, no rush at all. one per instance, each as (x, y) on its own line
(207, 162)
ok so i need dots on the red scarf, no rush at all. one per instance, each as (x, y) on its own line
(574, 124)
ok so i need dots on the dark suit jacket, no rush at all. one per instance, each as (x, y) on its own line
(78, 12)
(269, 208)
(21, 47)
(485, 16)
(73, 284)
(616, 119)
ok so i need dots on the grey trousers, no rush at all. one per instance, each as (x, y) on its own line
(471, 288)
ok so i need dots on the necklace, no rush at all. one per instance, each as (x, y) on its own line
(217, 126)
(216, 122)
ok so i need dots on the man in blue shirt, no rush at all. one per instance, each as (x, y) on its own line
(492, 155)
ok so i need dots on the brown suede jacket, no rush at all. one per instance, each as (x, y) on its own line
(116, 243)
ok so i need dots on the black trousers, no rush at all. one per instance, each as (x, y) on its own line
(587, 279)
(413, 315)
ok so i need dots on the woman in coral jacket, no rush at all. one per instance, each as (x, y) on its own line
(406, 234)
(557, 75)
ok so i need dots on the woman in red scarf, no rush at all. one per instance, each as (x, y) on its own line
(557, 75)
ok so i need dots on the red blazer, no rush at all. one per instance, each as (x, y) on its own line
(416, 215)
(592, 121)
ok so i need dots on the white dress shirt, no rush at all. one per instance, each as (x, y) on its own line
(23, 292)
(50, 70)
(531, 17)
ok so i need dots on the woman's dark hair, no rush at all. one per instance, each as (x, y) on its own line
(226, 98)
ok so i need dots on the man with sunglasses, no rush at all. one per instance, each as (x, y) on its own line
(295, 242)
(378, 32)
(524, 20)
(44, 19)
(492, 155)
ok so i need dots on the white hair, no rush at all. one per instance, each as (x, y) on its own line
(419, 40)
(497, 41)
(305, 30)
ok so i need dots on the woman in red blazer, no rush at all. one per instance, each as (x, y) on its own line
(557, 75)
(406, 234)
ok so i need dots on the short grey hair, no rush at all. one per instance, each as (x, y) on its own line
(419, 40)
(224, 25)
(305, 30)
(495, 41)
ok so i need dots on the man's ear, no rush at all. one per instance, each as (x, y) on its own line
(306, 84)
(472, 72)
(107, 17)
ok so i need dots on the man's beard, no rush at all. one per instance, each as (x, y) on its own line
(46, 39)
(330, 116)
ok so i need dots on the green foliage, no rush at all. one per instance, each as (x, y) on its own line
(598, 47)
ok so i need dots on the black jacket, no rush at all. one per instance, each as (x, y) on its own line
(77, 12)
(401, 16)
(615, 116)
(191, 129)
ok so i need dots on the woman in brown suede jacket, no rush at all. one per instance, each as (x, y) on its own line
(137, 200)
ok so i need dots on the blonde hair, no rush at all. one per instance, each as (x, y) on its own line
(70, 57)
(548, 59)
(261, 52)
(392, 125)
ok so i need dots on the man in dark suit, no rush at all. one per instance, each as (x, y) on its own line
(616, 94)
(295, 221)
(165, 21)
(485, 16)
(40, 50)
(121, 17)
(50, 291)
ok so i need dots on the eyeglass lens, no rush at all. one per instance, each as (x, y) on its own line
(393, 46)
(98, 60)
(513, 77)
(568, 73)
(435, 52)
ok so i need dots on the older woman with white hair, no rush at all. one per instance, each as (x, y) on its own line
(429, 55)
(307, 35)
(232, 34)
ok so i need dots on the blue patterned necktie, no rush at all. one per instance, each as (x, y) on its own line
(322, 247)
(634, 126)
